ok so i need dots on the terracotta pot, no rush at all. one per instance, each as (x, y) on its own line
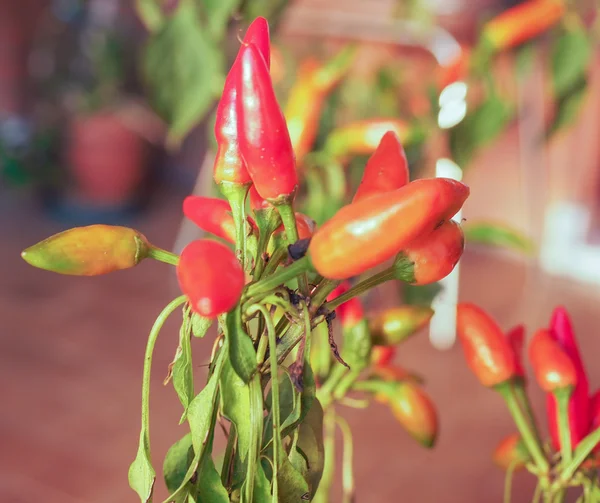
(106, 159)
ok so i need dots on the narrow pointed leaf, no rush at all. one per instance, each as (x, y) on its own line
(241, 350)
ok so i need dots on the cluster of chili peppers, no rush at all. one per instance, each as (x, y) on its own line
(274, 284)
(569, 458)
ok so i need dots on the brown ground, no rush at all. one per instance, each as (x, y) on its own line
(70, 371)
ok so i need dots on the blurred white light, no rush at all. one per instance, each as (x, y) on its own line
(447, 168)
(451, 114)
(457, 91)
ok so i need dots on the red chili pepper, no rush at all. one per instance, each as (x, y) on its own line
(433, 256)
(511, 453)
(522, 22)
(307, 96)
(257, 202)
(516, 339)
(393, 326)
(415, 411)
(212, 215)
(594, 406)
(488, 353)
(362, 137)
(305, 225)
(89, 251)
(211, 277)
(350, 312)
(553, 368)
(369, 232)
(562, 332)
(386, 169)
(381, 356)
(262, 132)
(229, 165)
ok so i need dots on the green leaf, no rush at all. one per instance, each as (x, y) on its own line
(356, 349)
(210, 488)
(292, 486)
(151, 14)
(256, 420)
(200, 325)
(310, 443)
(218, 14)
(421, 295)
(289, 406)
(478, 129)
(262, 486)
(235, 406)
(177, 461)
(498, 235)
(241, 349)
(183, 70)
(181, 367)
(570, 58)
(568, 106)
(141, 473)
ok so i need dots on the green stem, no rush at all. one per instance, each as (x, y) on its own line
(276, 258)
(347, 472)
(228, 456)
(268, 221)
(537, 493)
(521, 393)
(322, 495)
(277, 449)
(362, 287)
(256, 434)
(324, 392)
(564, 431)
(279, 278)
(535, 450)
(236, 195)
(163, 255)
(508, 482)
(289, 222)
(581, 453)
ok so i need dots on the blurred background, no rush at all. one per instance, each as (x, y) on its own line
(106, 113)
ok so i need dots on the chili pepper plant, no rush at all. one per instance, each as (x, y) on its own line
(273, 285)
(569, 458)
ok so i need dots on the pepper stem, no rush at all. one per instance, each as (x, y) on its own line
(280, 277)
(360, 288)
(347, 472)
(562, 398)
(506, 390)
(520, 391)
(289, 222)
(236, 195)
(163, 255)
(581, 452)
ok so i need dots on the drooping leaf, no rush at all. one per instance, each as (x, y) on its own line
(289, 406)
(177, 462)
(262, 486)
(200, 325)
(235, 406)
(181, 367)
(241, 350)
(292, 486)
(141, 473)
(498, 235)
(570, 59)
(183, 69)
(210, 488)
(310, 444)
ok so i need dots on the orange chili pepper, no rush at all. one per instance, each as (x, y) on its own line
(553, 368)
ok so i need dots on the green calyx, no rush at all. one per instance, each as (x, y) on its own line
(404, 268)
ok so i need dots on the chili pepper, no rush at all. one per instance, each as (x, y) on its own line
(362, 137)
(522, 22)
(212, 215)
(432, 257)
(305, 225)
(395, 373)
(373, 230)
(262, 132)
(552, 366)
(350, 312)
(594, 406)
(386, 169)
(415, 411)
(456, 70)
(307, 96)
(487, 351)
(381, 356)
(229, 165)
(516, 339)
(89, 251)
(211, 277)
(393, 326)
(511, 453)
(562, 332)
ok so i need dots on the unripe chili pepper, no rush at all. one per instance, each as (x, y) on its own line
(369, 232)
(562, 332)
(212, 215)
(386, 169)
(415, 411)
(393, 326)
(511, 453)
(211, 277)
(229, 165)
(553, 368)
(89, 251)
(306, 98)
(432, 257)
(381, 356)
(362, 137)
(522, 22)
(262, 132)
(516, 339)
(488, 353)
(350, 312)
